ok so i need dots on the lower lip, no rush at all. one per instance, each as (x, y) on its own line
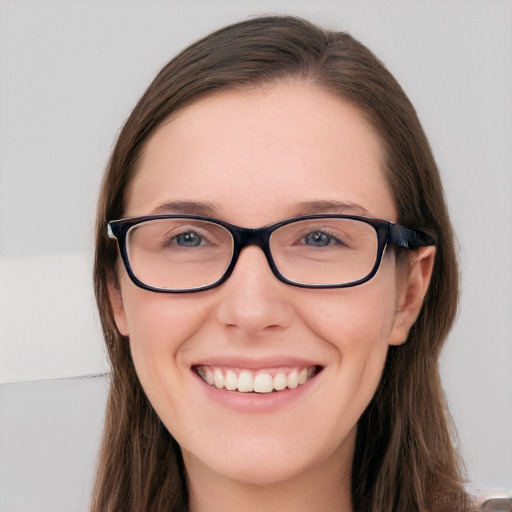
(255, 402)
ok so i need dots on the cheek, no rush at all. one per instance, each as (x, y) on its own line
(352, 318)
(154, 317)
(356, 323)
(158, 327)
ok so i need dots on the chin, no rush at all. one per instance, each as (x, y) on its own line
(269, 461)
(265, 473)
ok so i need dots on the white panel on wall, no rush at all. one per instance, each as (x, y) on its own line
(48, 318)
(71, 71)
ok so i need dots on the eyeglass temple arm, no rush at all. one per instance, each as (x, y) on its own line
(409, 238)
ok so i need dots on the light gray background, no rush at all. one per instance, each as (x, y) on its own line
(69, 74)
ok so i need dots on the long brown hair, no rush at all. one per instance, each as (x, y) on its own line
(404, 459)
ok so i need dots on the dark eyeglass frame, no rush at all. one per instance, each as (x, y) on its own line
(388, 233)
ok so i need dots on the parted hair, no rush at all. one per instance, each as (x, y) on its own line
(405, 459)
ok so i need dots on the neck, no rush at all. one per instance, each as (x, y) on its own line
(323, 488)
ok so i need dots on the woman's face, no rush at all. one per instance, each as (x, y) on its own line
(252, 158)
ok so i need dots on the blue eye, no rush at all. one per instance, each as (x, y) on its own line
(189, 239)
(319, 239)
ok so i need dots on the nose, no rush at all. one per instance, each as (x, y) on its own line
(253, 301)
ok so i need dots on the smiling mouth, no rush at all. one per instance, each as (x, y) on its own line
(260, 381)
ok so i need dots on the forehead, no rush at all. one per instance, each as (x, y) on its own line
(257, 154)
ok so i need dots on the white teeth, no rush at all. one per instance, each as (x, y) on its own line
(231, 382)
(261, 382)
(292, 381)
(280, 381)
(208, 376)
(218, 378)
(245, 382)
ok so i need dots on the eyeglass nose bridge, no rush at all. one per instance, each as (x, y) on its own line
(245, 237)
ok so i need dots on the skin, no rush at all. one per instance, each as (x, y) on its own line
(256, 157)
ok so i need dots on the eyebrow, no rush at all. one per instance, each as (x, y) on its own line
(202, 208)
(324, 206)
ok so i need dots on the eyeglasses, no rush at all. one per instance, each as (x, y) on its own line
(188, 253)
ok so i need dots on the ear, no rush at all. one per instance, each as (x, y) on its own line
(411, 292)
(116, 301)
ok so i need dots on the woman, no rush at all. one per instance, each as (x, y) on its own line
(293, 366)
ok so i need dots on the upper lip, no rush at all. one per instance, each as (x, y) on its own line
(256, 363)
